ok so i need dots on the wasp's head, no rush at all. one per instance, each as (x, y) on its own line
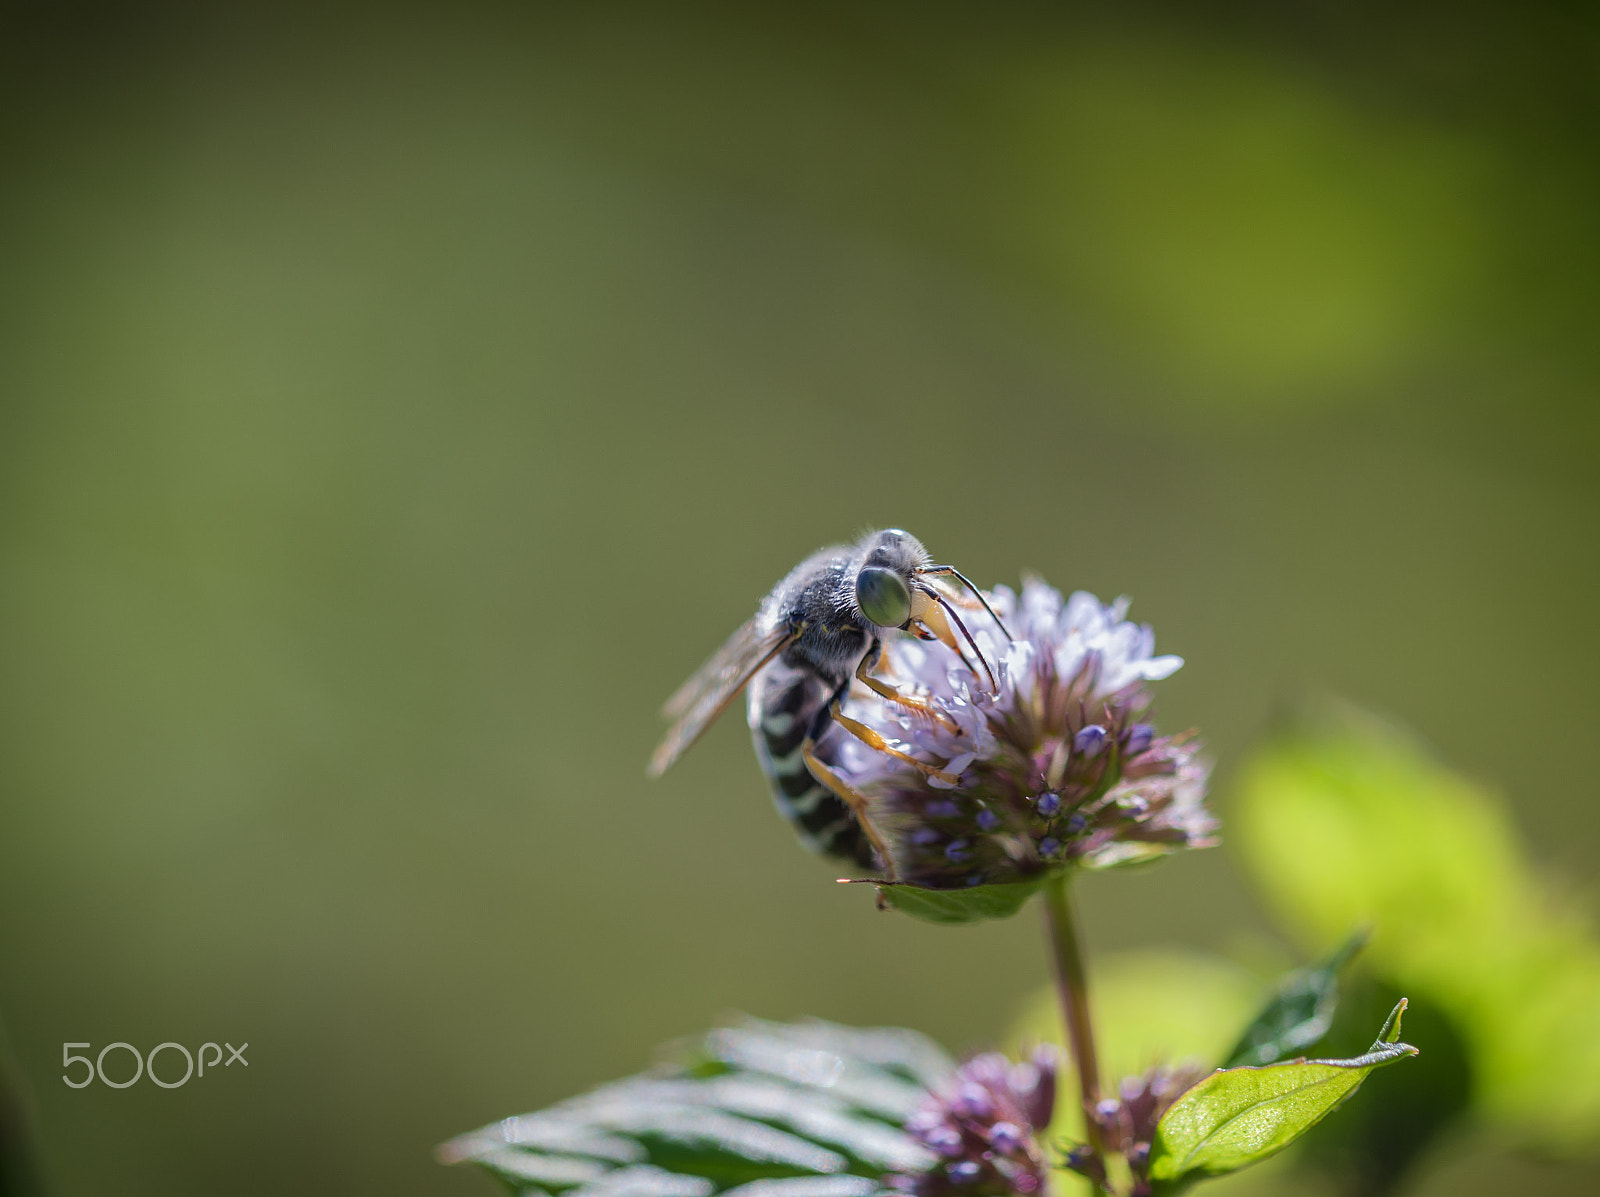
(890, 562)
(895, 589)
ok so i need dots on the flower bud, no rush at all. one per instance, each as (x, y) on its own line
(1127, 1123)
(984, 1125)
(1005, 1137)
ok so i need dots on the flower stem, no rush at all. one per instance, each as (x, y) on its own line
(1073, 987)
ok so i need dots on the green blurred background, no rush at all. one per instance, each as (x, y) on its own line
(396, 403)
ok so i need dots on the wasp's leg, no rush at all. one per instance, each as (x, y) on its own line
(874, 741)
(880, 687)
(850, 797)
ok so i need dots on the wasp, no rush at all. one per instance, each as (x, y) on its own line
(820, 630)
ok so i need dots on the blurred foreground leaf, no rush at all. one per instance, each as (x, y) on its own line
(1352, 823)
(1237, 1116)
(1298, 1014)
(761, 1110)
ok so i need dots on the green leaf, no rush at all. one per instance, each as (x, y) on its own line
(1298, 1014)
(761, 1110)
(1237, 1116)
(953, 906)
(1464, 919)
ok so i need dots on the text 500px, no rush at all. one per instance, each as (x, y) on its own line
(146, 1065)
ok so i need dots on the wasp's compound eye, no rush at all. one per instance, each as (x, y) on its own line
(884, 597)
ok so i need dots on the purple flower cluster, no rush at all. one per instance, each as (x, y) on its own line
(984, 1126)
(1127, 1123)
(1057, 763)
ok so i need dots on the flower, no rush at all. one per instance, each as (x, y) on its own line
(983, 1125)
(1054, 762)
(1127, 1123)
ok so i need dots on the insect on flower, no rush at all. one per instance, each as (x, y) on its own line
(820, 631)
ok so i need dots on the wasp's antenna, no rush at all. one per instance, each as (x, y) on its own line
(950, 571)
(994, 686)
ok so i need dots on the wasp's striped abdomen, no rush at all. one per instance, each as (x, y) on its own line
(786, 706)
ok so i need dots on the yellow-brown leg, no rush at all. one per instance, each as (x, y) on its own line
(850, 797)
(873, 740)
(883, 688)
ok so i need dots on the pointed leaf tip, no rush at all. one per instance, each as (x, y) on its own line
(1391, 1026)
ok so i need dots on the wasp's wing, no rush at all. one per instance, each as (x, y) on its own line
(707, 694)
